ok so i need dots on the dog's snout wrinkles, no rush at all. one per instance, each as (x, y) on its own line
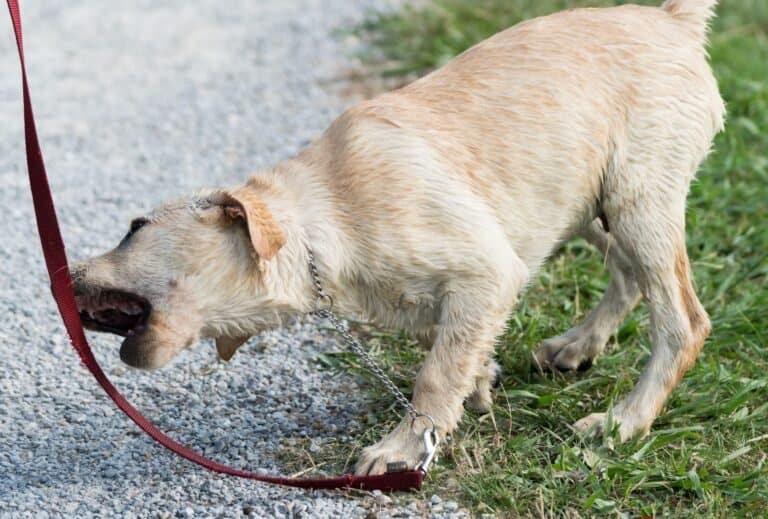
(77, 274)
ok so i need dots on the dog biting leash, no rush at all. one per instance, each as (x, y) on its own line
(61, 285)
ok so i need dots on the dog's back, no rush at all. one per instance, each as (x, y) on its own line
(527, 127)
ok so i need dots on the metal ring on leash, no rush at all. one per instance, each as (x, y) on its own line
(431, 440)
(323, 303)
(416, 416)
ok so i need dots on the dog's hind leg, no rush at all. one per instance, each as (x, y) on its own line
(580, 346)
(646, 209)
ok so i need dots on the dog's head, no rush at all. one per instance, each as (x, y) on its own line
(192, 268)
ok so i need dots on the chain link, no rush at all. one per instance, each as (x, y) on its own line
(326, 312)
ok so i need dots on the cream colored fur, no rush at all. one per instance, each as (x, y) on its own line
(430, 208)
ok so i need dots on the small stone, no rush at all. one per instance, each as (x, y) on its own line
(451, 506)
(384, 500)
(435, 499)
(77, 418)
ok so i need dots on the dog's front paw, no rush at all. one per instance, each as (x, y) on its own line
(400, 446)
(480, 400)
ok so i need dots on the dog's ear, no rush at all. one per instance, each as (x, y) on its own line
(267, 237)
(227, 346)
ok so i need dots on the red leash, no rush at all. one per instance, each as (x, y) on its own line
(56, 262)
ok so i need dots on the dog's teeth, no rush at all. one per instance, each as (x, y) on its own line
(94, 305)
(130, 308)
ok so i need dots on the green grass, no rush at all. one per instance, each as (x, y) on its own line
(706, 455)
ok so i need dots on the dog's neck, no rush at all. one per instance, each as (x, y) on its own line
(308, 213)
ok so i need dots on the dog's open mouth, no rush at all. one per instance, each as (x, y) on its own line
(114, 311)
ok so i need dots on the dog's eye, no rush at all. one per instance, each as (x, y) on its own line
(137, 224)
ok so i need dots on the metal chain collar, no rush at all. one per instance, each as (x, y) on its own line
(323, 308)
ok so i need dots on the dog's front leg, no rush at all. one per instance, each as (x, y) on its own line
(470, 321)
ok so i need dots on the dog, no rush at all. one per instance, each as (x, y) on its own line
(431, 207)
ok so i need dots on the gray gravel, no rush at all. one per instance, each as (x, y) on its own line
(136, 102)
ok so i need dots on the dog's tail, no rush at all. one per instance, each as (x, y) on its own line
(696, 13)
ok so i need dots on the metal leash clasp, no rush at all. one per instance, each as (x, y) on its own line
(431, 441)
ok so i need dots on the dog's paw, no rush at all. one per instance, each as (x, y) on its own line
(592, 425)
(481, 399)
(597, 423)
(576, 349)
(402, 445)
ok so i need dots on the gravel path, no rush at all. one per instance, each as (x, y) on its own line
(135, 103)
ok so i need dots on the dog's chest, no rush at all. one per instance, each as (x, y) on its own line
(399, 304)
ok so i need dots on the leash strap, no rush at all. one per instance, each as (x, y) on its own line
(61, 285)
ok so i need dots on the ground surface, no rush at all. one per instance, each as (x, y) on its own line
(136, 102)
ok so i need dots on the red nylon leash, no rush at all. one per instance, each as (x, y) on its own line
(61, 285)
